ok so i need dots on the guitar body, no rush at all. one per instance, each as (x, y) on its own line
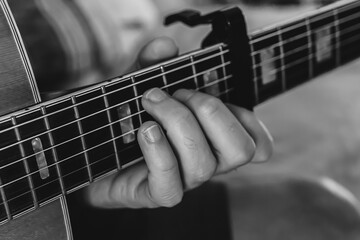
(17, 91)
(43, 224)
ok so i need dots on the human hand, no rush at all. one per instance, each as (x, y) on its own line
(195, 137)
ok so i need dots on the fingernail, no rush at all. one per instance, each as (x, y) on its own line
(155, 95)
(153, 134)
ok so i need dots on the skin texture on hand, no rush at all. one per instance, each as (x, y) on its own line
(195, 137)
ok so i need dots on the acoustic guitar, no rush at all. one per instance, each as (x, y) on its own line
(50, 149)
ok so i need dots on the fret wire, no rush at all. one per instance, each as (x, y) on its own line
(303, 35)
(333, 36)
(81, 135)
(224, 72)
(118, 137)
(198, 74)
(312, 55)
(256, 77)
(255, 80)
(123, 88)
(348, 39)
(137, 98)
(255, 66)
(106, 157)
(163, 75)
(53, 150)
(115, 122)
(4, 199)
(303, 47)
(293, 51)
(90, 115)
(282, 60)
(254, 38)
(252, 41)
(287, 54)
(297, 37)
(337, 37)
(25, 163)
(287, 66)
(194, 72)
(107, 105)
(348, 18)
(310, 45)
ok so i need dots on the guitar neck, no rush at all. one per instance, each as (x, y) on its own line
(293, 53)
(62, 145)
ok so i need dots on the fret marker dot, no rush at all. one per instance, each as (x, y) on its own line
(40, 158)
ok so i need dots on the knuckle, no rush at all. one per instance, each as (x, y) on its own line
(190, 144)
(233, 127)
(201, 176)
(209, 106)
(181, 115)
(245, 153)
(166, 167)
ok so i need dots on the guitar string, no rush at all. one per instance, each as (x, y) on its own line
(333, 36)
(131, 85)
(92, 148)
(61, 178)
(53, 147)
(304, 59)
(109, 124)
(274, 71)
(120, 80)
(129, 101)
(305, 20)
(252, 42)
(276, 30)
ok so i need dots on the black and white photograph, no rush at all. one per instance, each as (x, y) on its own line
(179, 119)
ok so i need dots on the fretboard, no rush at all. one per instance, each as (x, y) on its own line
(60, 146)
(65, 144)
(290, 54)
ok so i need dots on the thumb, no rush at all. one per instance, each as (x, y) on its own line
(157, 50)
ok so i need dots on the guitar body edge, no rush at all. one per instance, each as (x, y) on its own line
(48, 222)
(18, 90)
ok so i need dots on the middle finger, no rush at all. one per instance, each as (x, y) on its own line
(196, 160)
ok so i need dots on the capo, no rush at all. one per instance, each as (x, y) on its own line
(228, 27)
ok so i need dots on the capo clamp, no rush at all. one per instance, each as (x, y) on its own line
(228, 27)
(190, 18)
